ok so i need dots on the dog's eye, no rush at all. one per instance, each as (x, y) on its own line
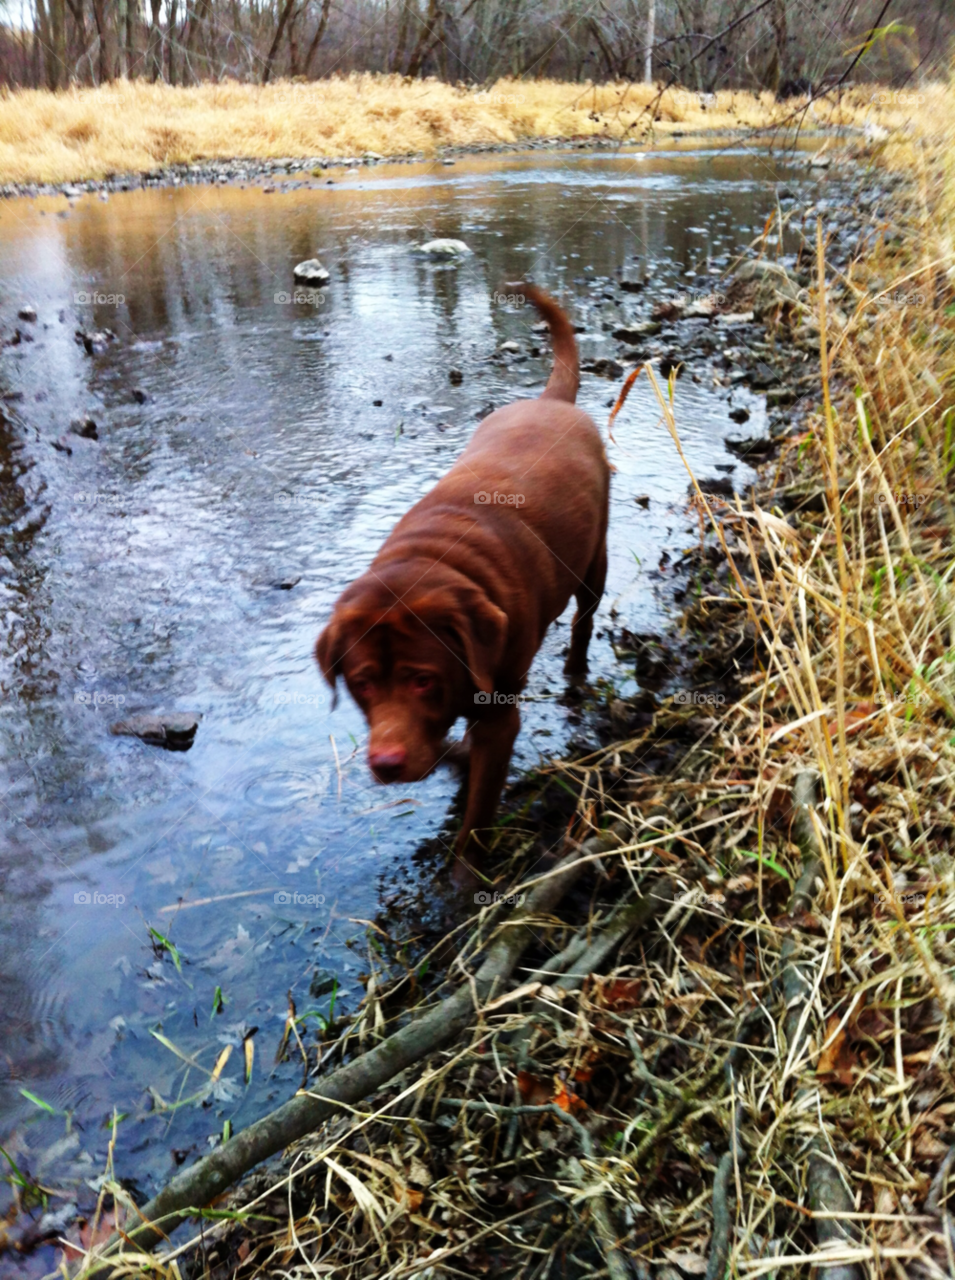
(422, 683)
(361, 688)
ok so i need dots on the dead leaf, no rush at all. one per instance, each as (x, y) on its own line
(534, 1091)
(928, 1147)
(621, 994)
(568, 1101)
(837, 1057)
(418, 1173)
(739, 884)
(693, 1264)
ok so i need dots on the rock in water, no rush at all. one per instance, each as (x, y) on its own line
(28, 314)
(635, 333)
(444, 249)
(175, 731)
(311, 272)
(84, 426)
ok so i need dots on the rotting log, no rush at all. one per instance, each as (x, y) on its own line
(194, 1188)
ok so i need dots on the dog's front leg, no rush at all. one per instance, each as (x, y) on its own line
(491, 743)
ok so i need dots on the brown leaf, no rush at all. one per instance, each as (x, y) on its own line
(622, 994)
(568, 1101)
(928, 1147)
(837, 1058)
(694, 1264)
(738, 884)
(534, 1091)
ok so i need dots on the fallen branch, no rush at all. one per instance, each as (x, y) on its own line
(196, 1186)
(825, 1183)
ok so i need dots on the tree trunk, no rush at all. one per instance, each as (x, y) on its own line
(651, 36)
(293, 68)
(154, 47)
(317, 37)
(426, 39)
(104, 31)
(602, 46)
(132, 55)
(45, 43)
(173, 14)
(79, 47)
(279, 32)
(403, 27)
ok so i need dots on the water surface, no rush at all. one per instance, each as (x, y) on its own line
(271, 442)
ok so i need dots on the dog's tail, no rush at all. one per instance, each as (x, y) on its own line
(564, 380)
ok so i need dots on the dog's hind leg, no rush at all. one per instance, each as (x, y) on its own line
(588, 597)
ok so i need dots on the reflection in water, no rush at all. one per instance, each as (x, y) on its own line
(267, 443)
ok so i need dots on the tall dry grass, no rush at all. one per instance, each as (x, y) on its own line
(135, 127)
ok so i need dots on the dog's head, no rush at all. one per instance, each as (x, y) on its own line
(413, 644)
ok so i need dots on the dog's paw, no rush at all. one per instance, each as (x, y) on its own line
(576, 680)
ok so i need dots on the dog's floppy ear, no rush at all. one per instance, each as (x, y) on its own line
(482, 629)
(329, 650)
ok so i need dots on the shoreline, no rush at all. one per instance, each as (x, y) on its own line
(244, 170)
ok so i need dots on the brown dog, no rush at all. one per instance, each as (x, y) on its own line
(447, 620)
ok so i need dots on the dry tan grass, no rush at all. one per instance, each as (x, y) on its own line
(135, 126)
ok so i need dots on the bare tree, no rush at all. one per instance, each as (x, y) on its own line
(704, 44)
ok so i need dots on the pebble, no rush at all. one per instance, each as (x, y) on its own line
(311, 272)
(443, 249)
(84, 426)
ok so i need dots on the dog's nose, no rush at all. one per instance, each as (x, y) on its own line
(387, 763)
